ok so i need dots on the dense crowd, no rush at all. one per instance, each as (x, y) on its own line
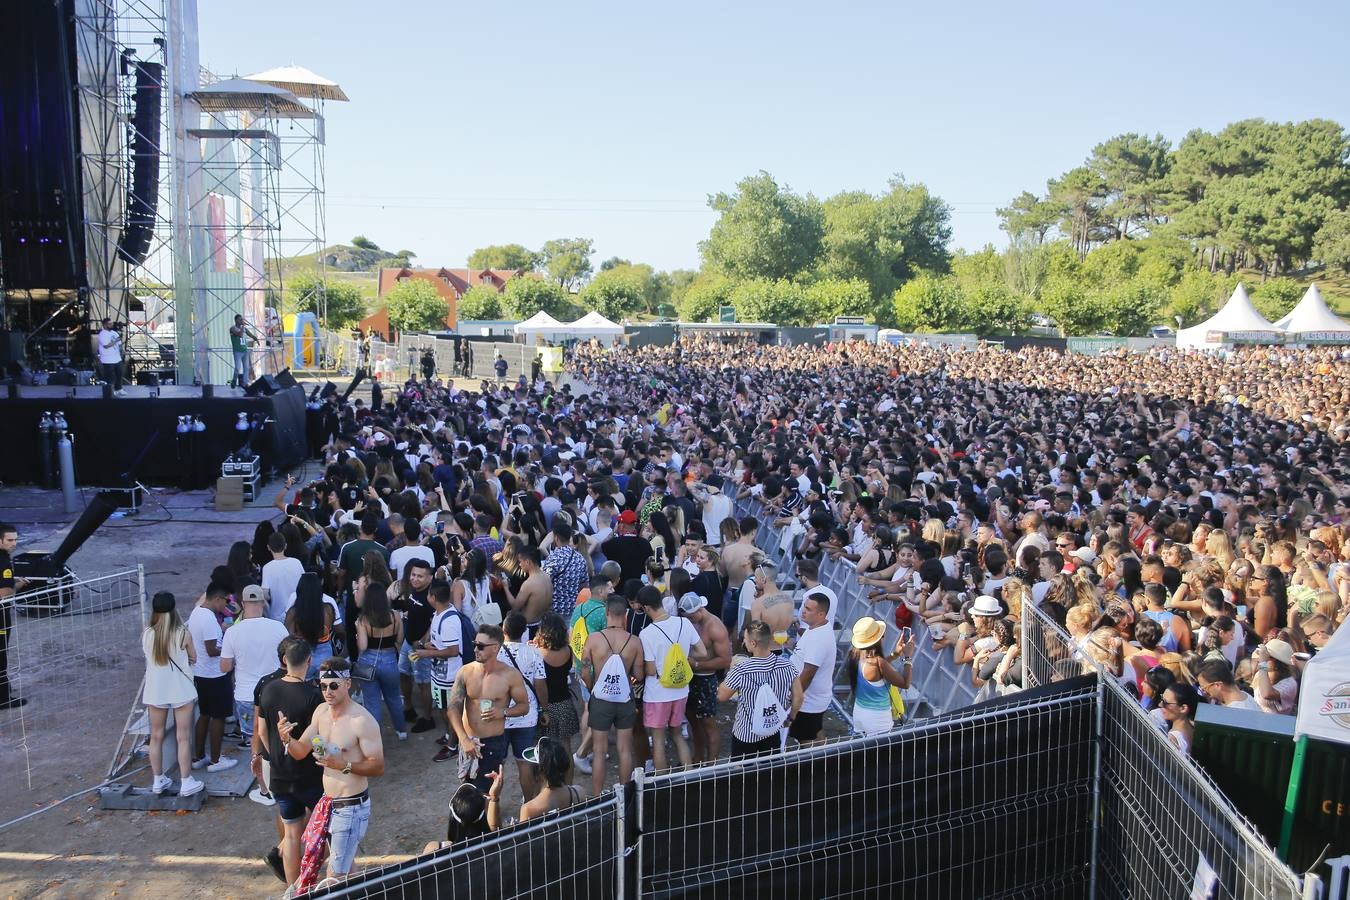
(534, 572)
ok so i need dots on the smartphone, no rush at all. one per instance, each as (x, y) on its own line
(440, 527)
(906, 635)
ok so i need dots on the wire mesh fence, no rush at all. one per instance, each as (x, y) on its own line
(67, 650)
(575, 853)
(1161, 819)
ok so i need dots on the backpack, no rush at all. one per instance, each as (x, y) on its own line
(768, 714)
(580, 632)
(675, 669)
(467, 632)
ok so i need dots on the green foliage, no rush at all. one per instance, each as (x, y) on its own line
(884, 240)
(763, 231)
(994, 308)
(481, 302)
(364, 243)
(614, 261)
(830, 297)
(929, 302)
(669, 287)
(1028, 219)
(1331, 244)
(782, 302)
(1196, 296)
(618, 290)
(504, 256)
(526, 296)
(700, 300)
(567, 260)
(414, 305)
(343, 302)
(1276, 297)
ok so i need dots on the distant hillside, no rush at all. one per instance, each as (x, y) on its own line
(342, 263)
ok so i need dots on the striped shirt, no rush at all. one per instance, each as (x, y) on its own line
(746, 678)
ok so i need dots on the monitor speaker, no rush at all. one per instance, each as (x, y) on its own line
(285, 379)
(265, 386)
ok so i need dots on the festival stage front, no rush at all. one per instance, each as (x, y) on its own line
(138, 435)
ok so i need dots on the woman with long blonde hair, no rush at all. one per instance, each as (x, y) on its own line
(169, 686)
(1219, 548)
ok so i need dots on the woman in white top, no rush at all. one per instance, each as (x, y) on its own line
(169, 686)
(1178, 707)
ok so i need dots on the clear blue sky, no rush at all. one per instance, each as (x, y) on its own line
(484, 123)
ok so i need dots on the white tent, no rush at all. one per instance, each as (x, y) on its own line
(540, 324)
(1324, 692)
(1237, 318)
(594, 325)
(1312, 318)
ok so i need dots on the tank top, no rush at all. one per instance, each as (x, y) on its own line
(382, 642)
(612, 684)
(556, 680)
(871, 694)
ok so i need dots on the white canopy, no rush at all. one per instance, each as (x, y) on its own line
(1312, 315)
(594, 323)
(1237, 316)
(301, 82)
(539, 323)
(1324, 692)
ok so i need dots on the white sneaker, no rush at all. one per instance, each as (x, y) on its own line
(220, 765)
(160, 783)
(583, 763)
(190, 786)
(200, 763)
(121, 393)
(257, 796)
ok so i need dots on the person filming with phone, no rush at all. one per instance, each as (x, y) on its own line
(876, 683)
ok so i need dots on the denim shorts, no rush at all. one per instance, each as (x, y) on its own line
(521, 739)
(243, 714)
(420, 670)
(292, 805)
(346, 826)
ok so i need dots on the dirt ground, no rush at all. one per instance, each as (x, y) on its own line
(76, 850)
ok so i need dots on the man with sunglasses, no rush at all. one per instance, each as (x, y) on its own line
(487, 692)
(345, 740)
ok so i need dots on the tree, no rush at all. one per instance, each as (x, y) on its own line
(340, 301)
(617, 291)
(480, 302)
(1196, 297)
(781, 302)
(414, 305)
(567, 260)
(1028, 219)
(832, 297)
(929, 302)
(1331, 244)
(763, 231)
(526, 296)
(614, 261)
(1276, 297)
(364, 243)
(503, 256)
(669, 287)
(1132, 169)
(1078, 196)
(994, 308)
(884, 240)
(702, 299)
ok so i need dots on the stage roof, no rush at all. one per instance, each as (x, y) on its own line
(242, 95)
(301, 82)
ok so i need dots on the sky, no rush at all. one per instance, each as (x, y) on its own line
(490, 123)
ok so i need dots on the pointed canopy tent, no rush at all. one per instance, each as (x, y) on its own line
(1238, 319)
(594, 325)
(1324, 692)
(1311, 319)
(541, 324)
(301, 82)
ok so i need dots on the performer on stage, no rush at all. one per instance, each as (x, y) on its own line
(242, 337)
(9, 539)
(110, 356)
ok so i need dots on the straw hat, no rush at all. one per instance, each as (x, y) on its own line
(866, 632)
(1281, 650)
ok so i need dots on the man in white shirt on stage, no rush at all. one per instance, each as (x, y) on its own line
(110, 356)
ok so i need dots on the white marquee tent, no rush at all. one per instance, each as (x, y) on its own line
(1312, 316)
(541, 324)
(1238, 317)
(594, 325)
(1324, 693)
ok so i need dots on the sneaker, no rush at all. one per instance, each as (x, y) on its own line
(422, 725)
(684, 730)
(190, 786)
(200, 763)
(273, 860)
(261, 797)
(160, 783)
(583, 763)
(220, 765)
(445, 753)
(443, 740)
(402, 735)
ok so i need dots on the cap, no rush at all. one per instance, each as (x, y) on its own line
(627, 517)
(253, 594)
(691, 603)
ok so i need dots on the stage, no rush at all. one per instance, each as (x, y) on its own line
(109, 435)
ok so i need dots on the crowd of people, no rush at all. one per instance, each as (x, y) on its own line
(538, 572)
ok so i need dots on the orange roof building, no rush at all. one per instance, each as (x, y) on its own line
(450, 284)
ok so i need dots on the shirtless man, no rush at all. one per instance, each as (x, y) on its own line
(536, 595)
(487, 693)
(738, 565)
(774, 608)
(611, 664)
(350, 752)
(708, 674)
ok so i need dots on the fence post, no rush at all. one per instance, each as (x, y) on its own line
(619, 847)
(1100, 738)
(140, 583)
(639, 782)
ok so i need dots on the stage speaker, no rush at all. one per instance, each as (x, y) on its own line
(41, 204)
(329, 389)
(285, 379)
(144, 195)
(147, 379)
(63, 378)
(265, 386)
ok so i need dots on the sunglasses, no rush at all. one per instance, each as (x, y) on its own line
(329, 685)
(479, 645)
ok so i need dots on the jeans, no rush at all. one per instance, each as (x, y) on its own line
(346, 826)
(243, 714)
(243, 367)
(112, 374)
(321, 652)
(384, 684)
